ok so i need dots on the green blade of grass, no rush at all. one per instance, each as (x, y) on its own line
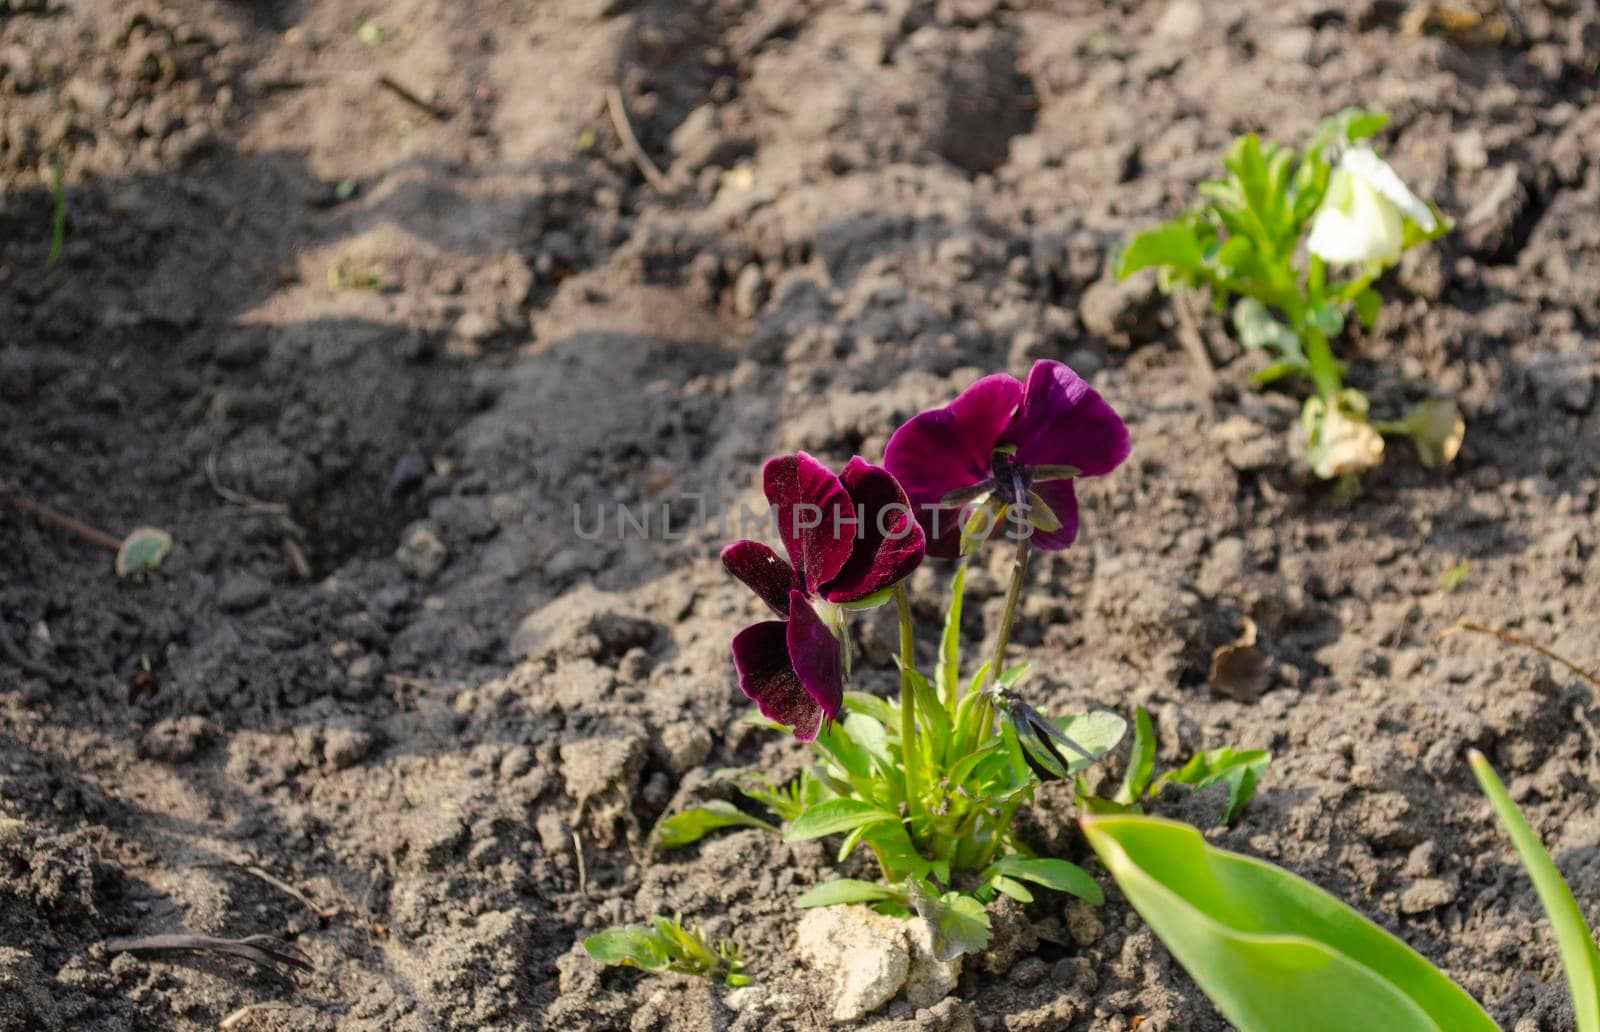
(1574, 941)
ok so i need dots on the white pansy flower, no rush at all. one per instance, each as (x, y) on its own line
(1362, 217)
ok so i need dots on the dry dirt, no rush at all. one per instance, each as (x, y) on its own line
(363, 354)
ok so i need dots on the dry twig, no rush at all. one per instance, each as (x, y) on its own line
(59, 519)
(434, 111)
(630, 142)
(1516, 639)
(769, 23)
(277, 883)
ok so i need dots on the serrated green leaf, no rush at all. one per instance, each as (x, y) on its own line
(1141, 760)
(1574, 941)
(1273, 951)
(834, 816)
(846, 890)
(1061, 875)
(692, 825)
(142, 551)
(958, 922)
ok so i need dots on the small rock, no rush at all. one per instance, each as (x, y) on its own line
(1011, 936)
(477, 327)
(421, 554)
(1083, 923)
(749, 291)
(1467, 150)
(242, 591)
(345, 747)
(1182, 19)
(1426, 894)
(1489, 227)
(1121, 310)
(686, 745)
(865, 955)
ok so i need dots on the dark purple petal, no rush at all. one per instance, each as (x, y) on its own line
(815, 518)
(948, 449)
(889, 544)
(763, 571)
(767, 678)
(1063, 499)
(814, 652)
(1064, 421)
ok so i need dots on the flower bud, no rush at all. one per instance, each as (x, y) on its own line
(1363, 214)
(1436, 430)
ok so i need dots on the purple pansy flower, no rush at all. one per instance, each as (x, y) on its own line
(1003, 445)
(848, 537)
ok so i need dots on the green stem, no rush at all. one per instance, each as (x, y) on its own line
(908, 701)
(1324, 369)
(1019, 573)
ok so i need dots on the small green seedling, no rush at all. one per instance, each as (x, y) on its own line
(1293, 242)
(1277, 954)
(1240, 769)
(665, 945)
(58, 222)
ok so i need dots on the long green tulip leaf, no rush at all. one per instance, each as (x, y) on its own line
(1274, 952)
(1574, 941)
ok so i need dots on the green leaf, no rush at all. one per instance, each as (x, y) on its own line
(868, 733)
(931, 709)
(1015, 889)
(1061, 875)
(845, 890)
(1327, 318)
(142, 551)
(1574, 940)
(692, 825)
(1240, 770)
(1172, 244)
(1277, 371)
(834, 816)
(1098, 732)
(1256, 328)
(872, 601)
(1141, 760)
(1273, 951)
(1368, 303)
(879, 709)
(629, 946)
(958, 922)
(950, 641)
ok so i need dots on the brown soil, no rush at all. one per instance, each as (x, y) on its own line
(382, 666)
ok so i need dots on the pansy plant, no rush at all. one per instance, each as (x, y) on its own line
(1294, 241)
(928, 783)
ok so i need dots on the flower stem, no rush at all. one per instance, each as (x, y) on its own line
(1324, 368)
(1019, 573)
(908, 701)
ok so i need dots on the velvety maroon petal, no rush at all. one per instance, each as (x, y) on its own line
(1063, 499)
(763, 571)
(814, 652)
(889, 544)
(767, 678)
(947, 449)
(814, 515)
(1064, 421)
